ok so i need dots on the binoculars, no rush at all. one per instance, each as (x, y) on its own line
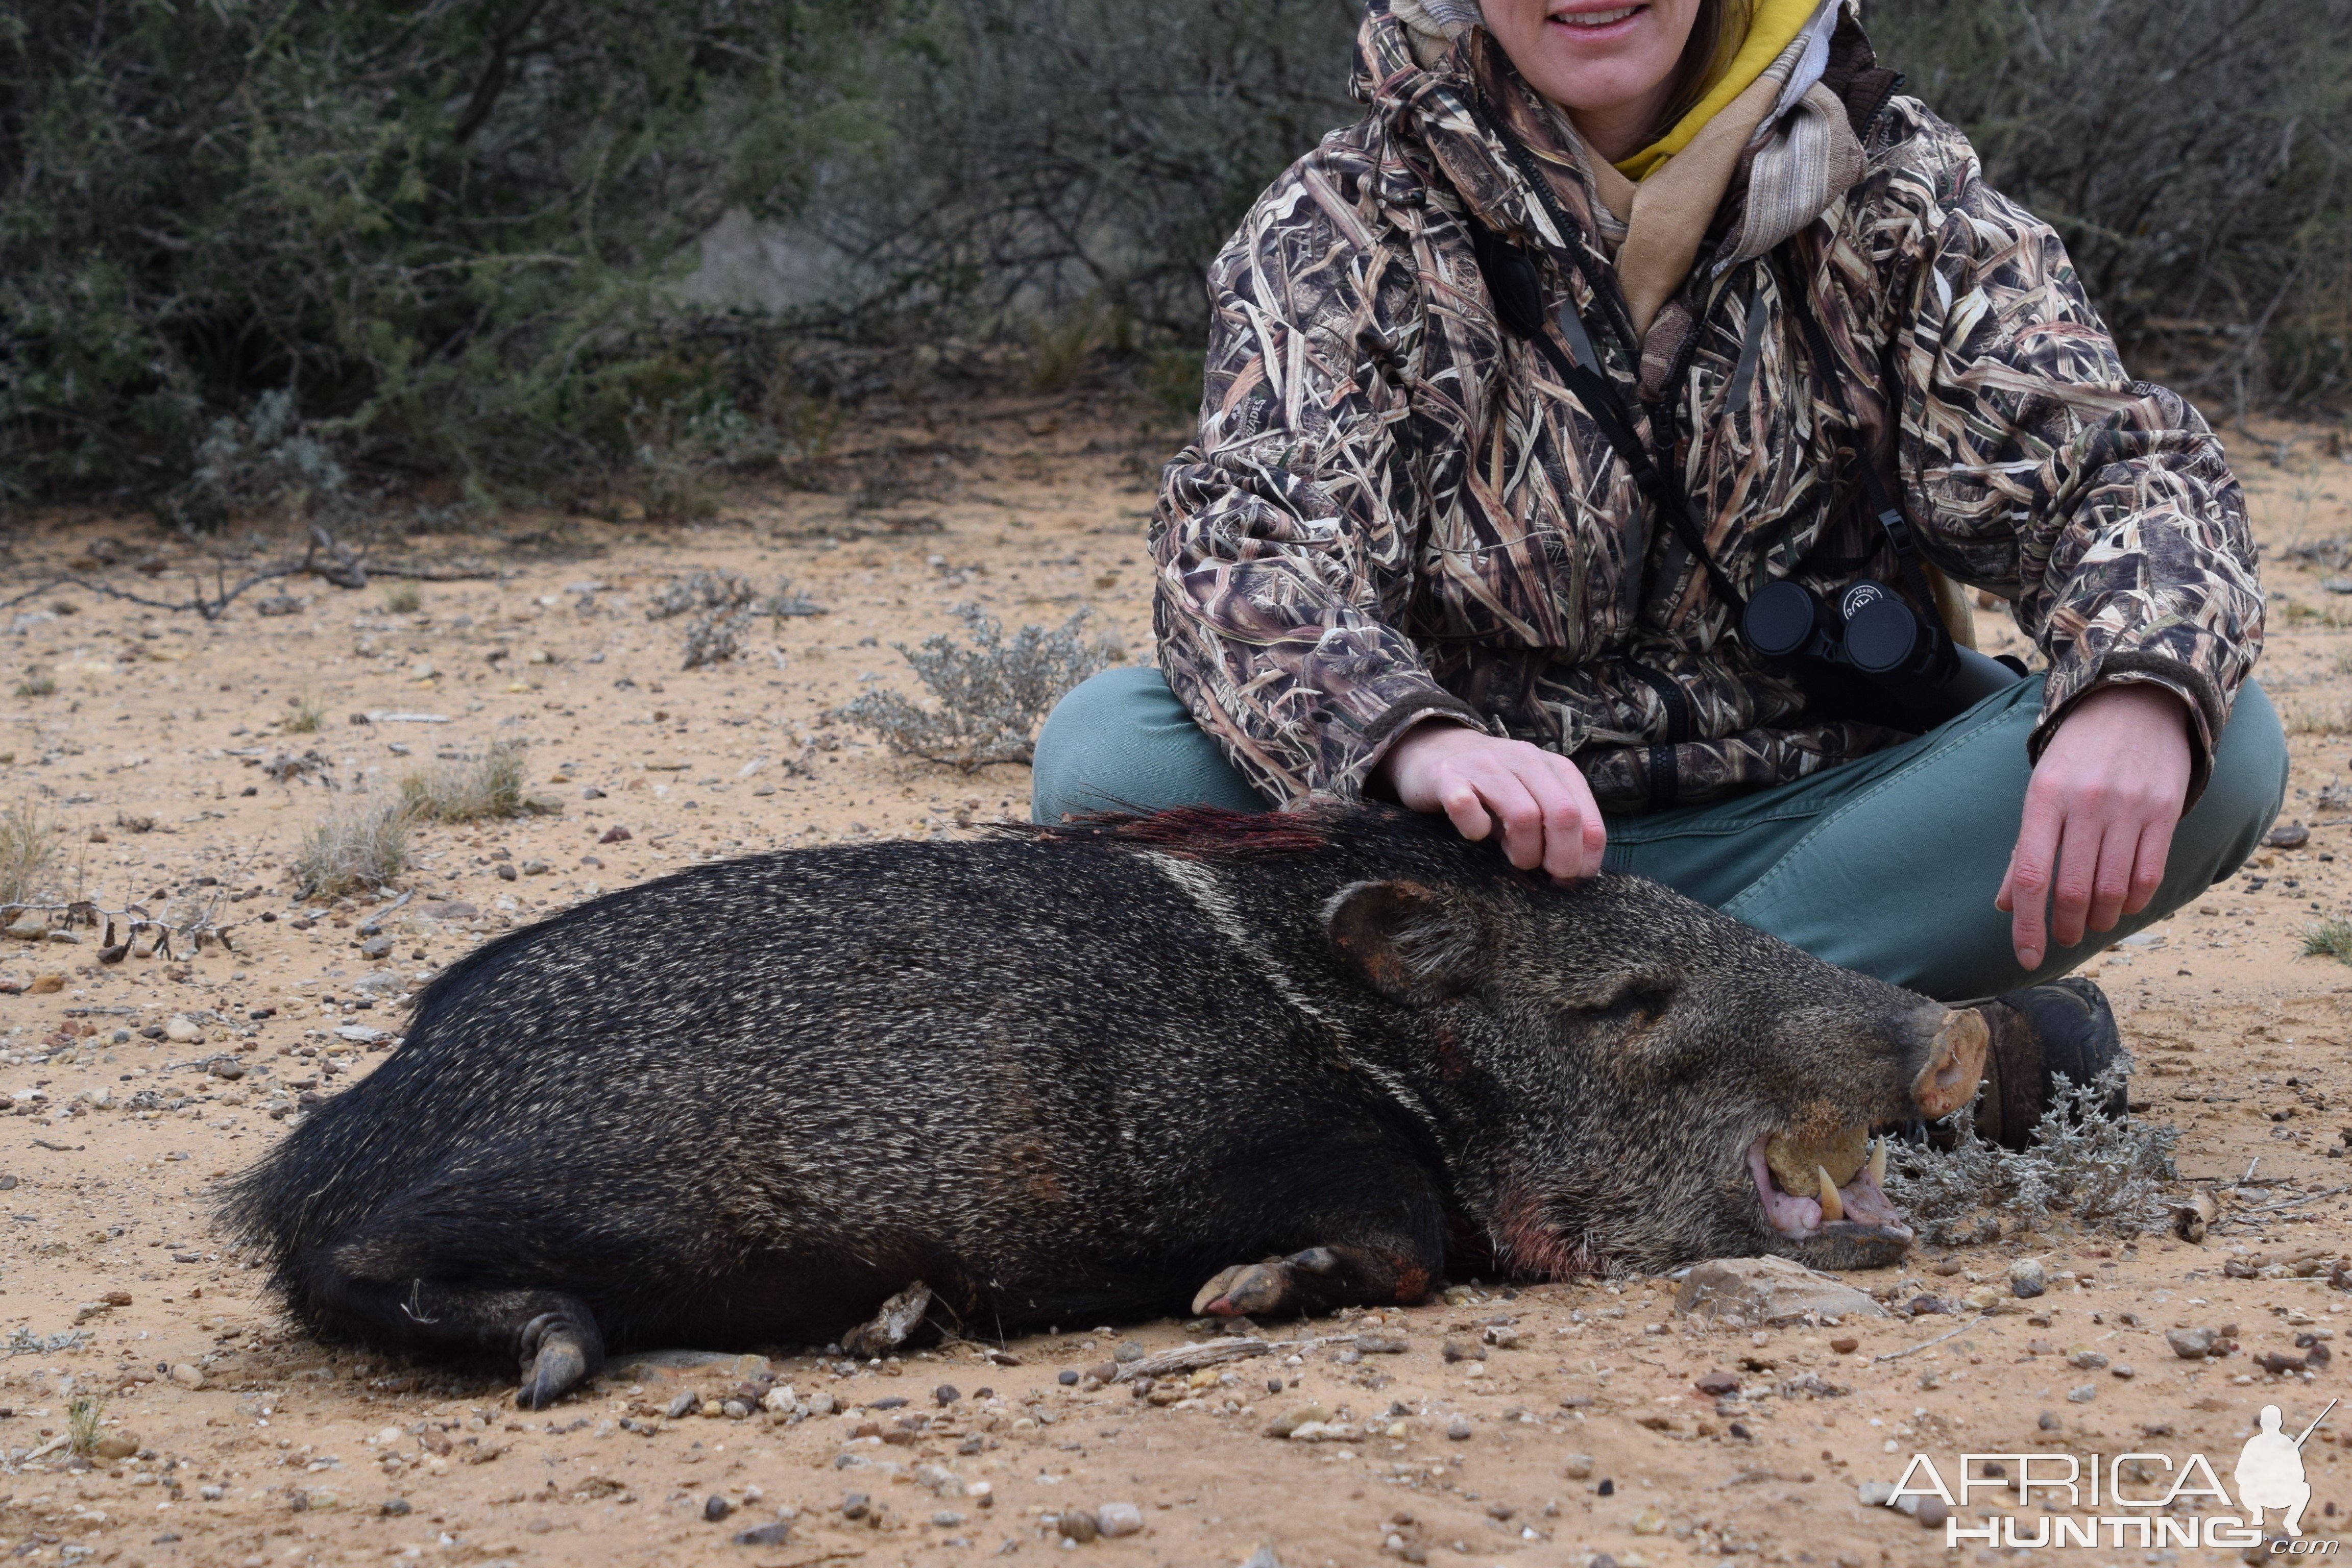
(1875, 633)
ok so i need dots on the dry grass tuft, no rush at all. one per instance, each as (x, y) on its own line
(357, 844)
(82, 1416)
(489, 786)
(404, 599)
(2329, 939)
(29, 836)
(37, 683)
(2325, 716)
(304, 714)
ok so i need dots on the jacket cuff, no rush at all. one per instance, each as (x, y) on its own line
(1379, 737)
(2209, 708)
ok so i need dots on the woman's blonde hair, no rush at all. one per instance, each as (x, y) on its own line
(1716, 35)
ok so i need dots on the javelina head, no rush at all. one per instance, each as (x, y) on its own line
(1631, 1078)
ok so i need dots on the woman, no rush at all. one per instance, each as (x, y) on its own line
(1404, 559)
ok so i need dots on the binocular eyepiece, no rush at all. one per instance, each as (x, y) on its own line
(1874, 631)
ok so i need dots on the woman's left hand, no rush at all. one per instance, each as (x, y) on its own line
(2099, 815)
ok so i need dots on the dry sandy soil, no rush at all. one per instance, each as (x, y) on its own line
(244, 1443)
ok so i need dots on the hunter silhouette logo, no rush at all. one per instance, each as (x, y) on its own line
(2270, 1471)
(2132, 1499)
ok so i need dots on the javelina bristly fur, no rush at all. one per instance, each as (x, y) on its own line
(1264, 1064)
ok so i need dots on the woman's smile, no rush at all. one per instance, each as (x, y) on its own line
(1593, 24)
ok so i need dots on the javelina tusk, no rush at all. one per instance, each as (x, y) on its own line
(1878, 1161)
(1833, 1206)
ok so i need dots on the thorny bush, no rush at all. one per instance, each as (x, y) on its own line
(991, 696)
(2106, 1171)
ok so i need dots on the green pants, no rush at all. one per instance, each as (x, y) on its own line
(1887, 864)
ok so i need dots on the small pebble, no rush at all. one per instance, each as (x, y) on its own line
(946, 1394)
(717, 1509)
(393, 1507)
(776, 1534)
(1933, 1512)
(2028, 1278)
(1128, 1351)
(1846, 1345)
(2083, 1395)
(1458, 1429)
(1077, 1525)
(1118, 1518)
(1066, 1376)
(686, 1404)
(1578, 1467)
(187, 1376)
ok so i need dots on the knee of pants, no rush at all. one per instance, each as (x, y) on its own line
(1121, 741)
(2245, 795)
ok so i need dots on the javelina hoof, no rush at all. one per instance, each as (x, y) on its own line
(558, 1351)
(1248, 1288)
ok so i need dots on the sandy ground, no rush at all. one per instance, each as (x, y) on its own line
(240, 1443)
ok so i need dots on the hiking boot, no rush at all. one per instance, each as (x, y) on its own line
(2064, 1026)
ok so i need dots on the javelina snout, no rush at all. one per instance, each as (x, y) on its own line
(1269, 1064)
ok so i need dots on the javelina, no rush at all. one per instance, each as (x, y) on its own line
(1064, 1075)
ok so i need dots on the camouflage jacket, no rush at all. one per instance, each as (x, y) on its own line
(1392, 510)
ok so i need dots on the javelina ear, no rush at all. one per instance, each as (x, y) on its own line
(1410, 942)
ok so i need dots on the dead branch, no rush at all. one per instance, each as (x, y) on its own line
(342, 567)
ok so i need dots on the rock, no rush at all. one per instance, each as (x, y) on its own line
(1128, 1351)
(948, 1393)
(2121, 1369)
(2028, 1278)
(615, 835)
(1459, 1430)
(1651, 1520)
(180, 1029)
(376, 947)
(1769, 1290)
(1932, 1512)
(891, 1325)
(395, 1507)
(1578, 1466)
(684, 1403)
(1116, 1519)
(451, 909)
(69, 938)
(2287, 836)
(1077, 1525)
(535, 868)
(506, 872)
(187, 1376)
(228, 1067)
(2082, 1396)
(28, 926)
(1846, 1345)
(716, 1508)
(776, 1534)
(116, 1446)
(2088, 1361)
(46, 985)
(1718, 1383)
(1980, 1299)
(1290, 1420)
(2189, 1344)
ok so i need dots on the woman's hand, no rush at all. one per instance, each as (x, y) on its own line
(1539, 798)
(2099, 815)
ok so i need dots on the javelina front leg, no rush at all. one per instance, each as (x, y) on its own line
(1317, 1279)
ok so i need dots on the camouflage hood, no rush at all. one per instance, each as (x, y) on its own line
(1392, 511)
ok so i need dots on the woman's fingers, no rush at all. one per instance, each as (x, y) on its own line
(2153, 850)
(2027, 889)
(1537, 801)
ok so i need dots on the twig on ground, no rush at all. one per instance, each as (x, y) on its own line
(1923, 1345)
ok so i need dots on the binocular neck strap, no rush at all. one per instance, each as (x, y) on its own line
(1516, 290)
(1891, 519)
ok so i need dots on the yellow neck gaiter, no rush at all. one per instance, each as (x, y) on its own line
(1772, 25)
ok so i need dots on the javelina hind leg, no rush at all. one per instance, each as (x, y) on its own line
(551, 1336)
(1317, 1281)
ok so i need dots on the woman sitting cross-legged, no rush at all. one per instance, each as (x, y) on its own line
(1609, 329)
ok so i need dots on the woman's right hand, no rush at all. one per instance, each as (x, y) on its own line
(1540, 799)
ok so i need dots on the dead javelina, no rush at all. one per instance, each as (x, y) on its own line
(1065, 1075)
